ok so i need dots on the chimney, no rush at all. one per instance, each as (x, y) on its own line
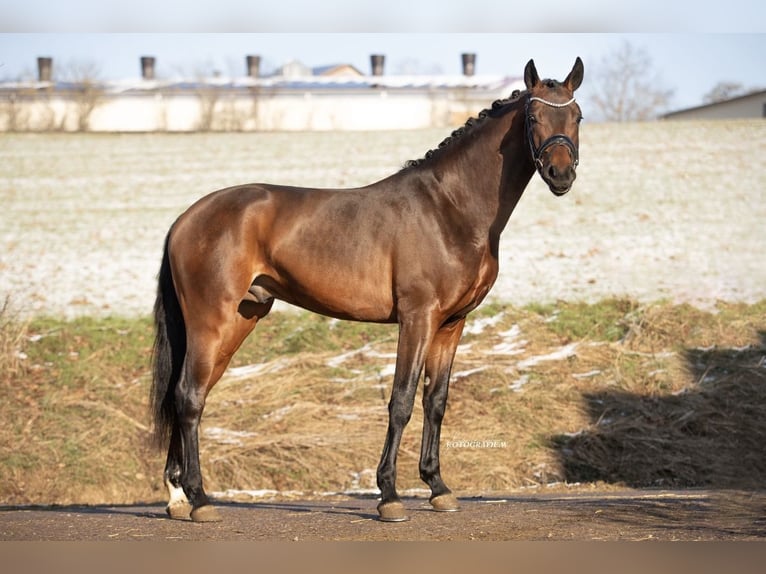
(147, 67)
(45, 69)
(377, 61)
(469, 64)
(253, 66)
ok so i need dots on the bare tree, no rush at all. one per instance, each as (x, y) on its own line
(13, 114)
(87, 90)
(723, 91)
(624, 87)
(17, 113)
(208, 95)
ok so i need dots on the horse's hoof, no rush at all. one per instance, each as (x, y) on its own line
(445, 503)
(179, 510)
(392, 511)
(205, 513)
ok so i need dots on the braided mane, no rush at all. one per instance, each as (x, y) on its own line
(499, 107)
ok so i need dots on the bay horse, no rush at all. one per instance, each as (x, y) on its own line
(418, 248)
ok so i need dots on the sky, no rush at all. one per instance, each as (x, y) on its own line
(691, 50)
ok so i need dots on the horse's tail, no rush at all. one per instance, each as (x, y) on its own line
(169, 353)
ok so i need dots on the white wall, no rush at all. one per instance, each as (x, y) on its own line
(372, 109)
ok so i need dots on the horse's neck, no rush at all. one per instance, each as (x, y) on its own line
(495, 168)
(517, 171)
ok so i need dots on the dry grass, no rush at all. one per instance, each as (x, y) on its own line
(73, 412)
(609, 393)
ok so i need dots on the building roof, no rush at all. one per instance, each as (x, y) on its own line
(336, 69)
(328, 83)
(750, 95)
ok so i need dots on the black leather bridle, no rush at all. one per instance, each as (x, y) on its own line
(556, 139)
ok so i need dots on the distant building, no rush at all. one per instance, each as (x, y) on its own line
(337, 97)
(336, 70)
(752, 105)
(296, 69)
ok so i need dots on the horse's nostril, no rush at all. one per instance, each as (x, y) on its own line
(553, 173)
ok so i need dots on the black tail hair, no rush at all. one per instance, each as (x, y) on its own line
(169, 352)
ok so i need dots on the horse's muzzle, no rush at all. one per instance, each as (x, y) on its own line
(559, 180)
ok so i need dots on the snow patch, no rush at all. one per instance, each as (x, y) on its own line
(477, 326)
(227, 436)
(367, 351)
(247, 371)
(559, 354)
(467, 373)
(511, 344)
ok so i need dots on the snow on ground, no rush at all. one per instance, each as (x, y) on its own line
(666, 210)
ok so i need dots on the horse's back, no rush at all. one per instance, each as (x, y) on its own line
(325, 250)
(349, 253)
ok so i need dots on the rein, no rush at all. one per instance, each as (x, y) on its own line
(556, 139)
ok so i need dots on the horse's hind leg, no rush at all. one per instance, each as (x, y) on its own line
(438, 368)
(209, 350)
(178, 506)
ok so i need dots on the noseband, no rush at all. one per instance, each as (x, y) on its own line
(556, 139)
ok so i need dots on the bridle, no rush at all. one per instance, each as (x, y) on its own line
(556, 139)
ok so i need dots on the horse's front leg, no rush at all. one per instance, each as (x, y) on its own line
(414, 339)
(438, 369)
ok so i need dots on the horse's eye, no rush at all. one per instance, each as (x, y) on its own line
(579, 119)
(532, 119)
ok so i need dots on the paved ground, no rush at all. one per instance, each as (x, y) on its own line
(633, 515)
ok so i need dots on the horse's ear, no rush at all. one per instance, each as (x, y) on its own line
(574, 79)
(530, 75)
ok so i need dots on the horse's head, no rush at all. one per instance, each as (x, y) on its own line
(553, 119)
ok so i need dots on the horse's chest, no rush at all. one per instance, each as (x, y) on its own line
(486, 275)
(479, 281)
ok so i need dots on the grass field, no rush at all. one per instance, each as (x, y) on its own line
(624, 342)
(609, 393)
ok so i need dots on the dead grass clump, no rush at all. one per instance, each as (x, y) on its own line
(710, 431)
(74, 428)
(665, 327)
(12, 334)
(532, 403)
(657, 395)
(302, 426)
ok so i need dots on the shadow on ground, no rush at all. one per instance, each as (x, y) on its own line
(712, 436)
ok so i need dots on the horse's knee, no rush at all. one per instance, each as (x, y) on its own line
(399, 412)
